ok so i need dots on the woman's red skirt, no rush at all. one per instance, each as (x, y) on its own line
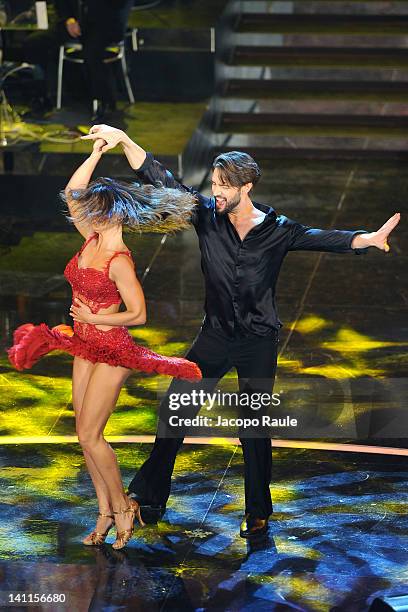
(115, 347)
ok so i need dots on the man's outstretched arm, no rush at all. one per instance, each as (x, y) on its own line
(302, 237)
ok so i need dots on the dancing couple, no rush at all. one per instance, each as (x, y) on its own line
(243, 244)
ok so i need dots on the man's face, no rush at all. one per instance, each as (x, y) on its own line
(226, 197)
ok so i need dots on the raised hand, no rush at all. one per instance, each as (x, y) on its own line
(379, 238)
(111, 135)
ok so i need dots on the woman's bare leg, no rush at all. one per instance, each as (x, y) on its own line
(81, 374)
(99, 401)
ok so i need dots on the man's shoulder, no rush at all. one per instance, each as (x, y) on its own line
(267, 210)
(283, 221)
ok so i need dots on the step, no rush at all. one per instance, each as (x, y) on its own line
(348, 57)
(255, 89)
(266, 154)
(248, 5)
(314, 124)
(338, 7)
(327, 23)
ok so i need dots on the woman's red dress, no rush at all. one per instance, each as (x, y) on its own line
(115, 346)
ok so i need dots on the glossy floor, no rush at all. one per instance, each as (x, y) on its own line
(337, 538)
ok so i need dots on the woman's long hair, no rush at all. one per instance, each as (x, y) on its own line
(144, 208)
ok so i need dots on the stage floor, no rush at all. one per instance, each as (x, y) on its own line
(338, 534)
(337, 537)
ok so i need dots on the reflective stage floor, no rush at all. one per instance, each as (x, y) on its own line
(338, 535)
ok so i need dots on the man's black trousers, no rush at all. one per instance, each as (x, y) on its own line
(254, 358)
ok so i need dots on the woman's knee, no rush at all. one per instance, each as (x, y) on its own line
(87, 439)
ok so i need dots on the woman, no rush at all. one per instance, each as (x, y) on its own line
(102, 275)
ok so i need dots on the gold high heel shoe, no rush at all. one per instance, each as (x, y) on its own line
(123, 537)
(96, 538)
(136, 508)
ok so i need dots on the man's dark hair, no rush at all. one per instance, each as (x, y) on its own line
(237, 168)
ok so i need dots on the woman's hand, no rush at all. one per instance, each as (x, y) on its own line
(111, 135)
(81, 312)
(98, 145)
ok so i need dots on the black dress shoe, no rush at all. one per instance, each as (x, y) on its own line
(150, 513)
(252, 527)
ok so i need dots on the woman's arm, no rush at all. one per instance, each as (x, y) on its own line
(122, 272)
(80, 180)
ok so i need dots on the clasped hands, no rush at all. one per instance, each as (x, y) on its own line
(105, 137)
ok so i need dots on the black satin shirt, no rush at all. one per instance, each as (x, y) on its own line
(240, 275)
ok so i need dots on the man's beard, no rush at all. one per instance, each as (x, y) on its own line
(230, 205)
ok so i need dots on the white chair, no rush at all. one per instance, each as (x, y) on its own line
(71, 52)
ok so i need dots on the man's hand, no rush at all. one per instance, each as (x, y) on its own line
(379, 238)
(73, 27)
(111, 135)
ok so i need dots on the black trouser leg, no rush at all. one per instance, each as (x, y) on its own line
(96, 37)
(152, 482)
(100, 75)
(255, 361)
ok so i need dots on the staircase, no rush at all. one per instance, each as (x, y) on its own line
(320, 79)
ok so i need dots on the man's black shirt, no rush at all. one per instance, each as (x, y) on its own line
(241, 275)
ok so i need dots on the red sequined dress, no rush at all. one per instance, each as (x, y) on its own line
(115, 346)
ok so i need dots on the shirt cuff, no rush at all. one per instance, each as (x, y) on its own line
(358, 251)
(147, 162)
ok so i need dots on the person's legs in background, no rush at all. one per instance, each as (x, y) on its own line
(99, 75)
(97, 35)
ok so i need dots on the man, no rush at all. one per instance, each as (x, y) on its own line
(96, 24)
(243, 244)
(93, 23)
